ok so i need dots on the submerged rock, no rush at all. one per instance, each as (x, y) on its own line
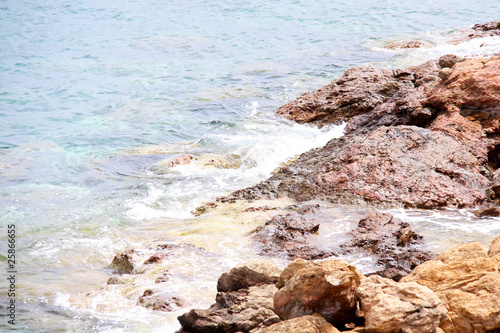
(160, 301)
(406, 44)
(399, 307)
(328, 288)
(467, 280)
(391, 240)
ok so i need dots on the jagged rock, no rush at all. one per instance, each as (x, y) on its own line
(479, 30)
(158, 300)
(327, 288)
(291, 269)
(467, 280)
(307, 324)
(125, 262)
(248, 274)
(398, 165)
(390, 239)
(236, 311)
(399, 307)
(289, 234)
(487, 211)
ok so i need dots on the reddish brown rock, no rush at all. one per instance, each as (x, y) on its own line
(479, 30)
(391, 240)
(405, 165)
(125, 262)
(249, 274)
(327, 288)
(289, 235)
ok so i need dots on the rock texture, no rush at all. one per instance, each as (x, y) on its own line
(307, 324)
(238, 310)
(289, 235)
(327, 288)
(392, 240)
(467, 280)
(249, 274)
(407, 165)
(161, 301)
(399, 307)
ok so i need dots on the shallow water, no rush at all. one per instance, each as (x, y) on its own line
(95, 96)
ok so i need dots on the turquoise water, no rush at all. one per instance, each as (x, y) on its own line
(95, 94)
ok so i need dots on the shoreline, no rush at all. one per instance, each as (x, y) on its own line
(427, 136)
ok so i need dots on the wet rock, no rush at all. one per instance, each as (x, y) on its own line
(236, 311)
(160, 301)
(397, 165)
(406, 44)
(289, 235)
(399, 307)
(307, 324)
(391, 240)
(449, 60)
(327, 288)
(249, 274)
(487, 211)
(467, 280)
(125, 262)
(479, 30)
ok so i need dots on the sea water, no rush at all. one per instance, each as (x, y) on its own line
(97, 96)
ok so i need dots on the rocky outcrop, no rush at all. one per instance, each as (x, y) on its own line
(307, 324)
(479, 30)
(467, 280)
(406, 44)
(391, 240)
(328, 288)
(359, 91)
(399, 307)
(398, 165)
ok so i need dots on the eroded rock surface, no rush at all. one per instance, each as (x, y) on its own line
(328, 288)
(306, 324)
(467, 280)
(399, 307)
(391, 240)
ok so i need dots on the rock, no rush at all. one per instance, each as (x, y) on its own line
(236, 311)
(479, 30)
(494, 247)
(327, 288)
(245, 275)
(125, 262)
(399, 307)
(289, 234)
(307, 324)
(397, 165)
(158, 300)
(471, 89)
(394, 94)
(406, 44)
(487, 211)
(467, 280)
(449, 60)
(292, 269)
(390, 239)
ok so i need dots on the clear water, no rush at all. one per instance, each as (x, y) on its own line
(94, 95)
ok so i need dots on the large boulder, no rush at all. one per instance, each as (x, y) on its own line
(307, 324)
(467, 280)
(399, 307)
(328, 288)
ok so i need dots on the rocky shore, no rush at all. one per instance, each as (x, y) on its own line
(427, 137)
